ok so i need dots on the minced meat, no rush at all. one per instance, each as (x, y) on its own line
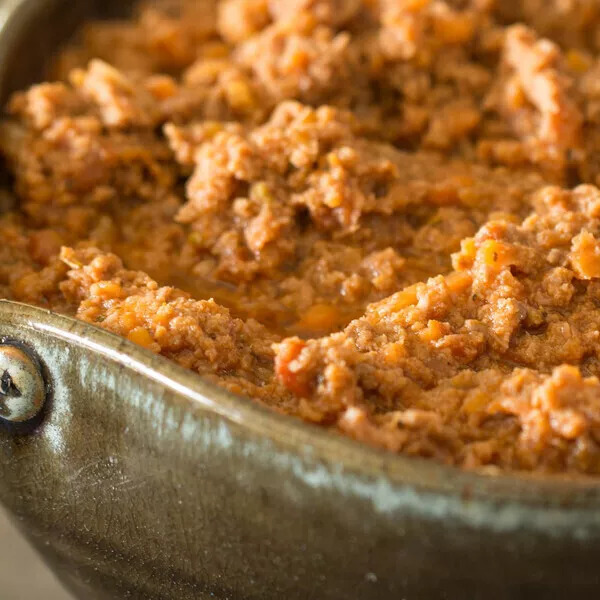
(378, 216)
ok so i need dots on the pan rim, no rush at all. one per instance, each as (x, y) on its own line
(425, 475)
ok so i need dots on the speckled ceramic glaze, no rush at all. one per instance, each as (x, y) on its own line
(139, 480)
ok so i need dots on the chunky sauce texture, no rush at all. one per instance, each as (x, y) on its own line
(380, 216)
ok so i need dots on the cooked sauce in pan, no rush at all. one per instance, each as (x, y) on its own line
(380, 216)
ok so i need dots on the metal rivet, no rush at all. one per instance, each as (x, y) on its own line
(22, 389)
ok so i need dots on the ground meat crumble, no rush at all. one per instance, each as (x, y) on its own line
(380, 216)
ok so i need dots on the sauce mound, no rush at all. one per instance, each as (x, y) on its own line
(380, 216)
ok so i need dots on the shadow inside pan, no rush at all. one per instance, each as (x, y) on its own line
(24, 59)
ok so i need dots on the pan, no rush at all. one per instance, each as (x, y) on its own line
(134, 478)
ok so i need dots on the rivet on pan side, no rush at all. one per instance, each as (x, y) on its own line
(22, 390)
